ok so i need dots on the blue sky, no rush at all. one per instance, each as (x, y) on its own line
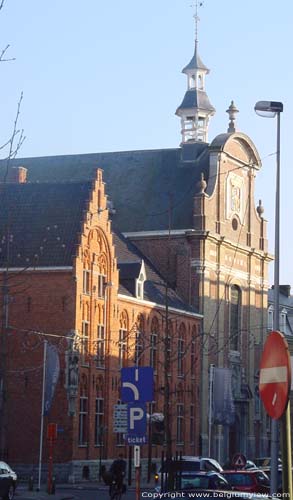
(106, 76)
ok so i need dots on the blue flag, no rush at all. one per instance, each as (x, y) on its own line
(52, 374)
(223, 403)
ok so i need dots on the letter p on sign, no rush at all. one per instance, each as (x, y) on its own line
(135, 414)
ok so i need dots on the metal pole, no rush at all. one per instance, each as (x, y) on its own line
(285, 420)
(275, 423)
(150, 443)
(211, 381)
(42, 414)
(137, 471)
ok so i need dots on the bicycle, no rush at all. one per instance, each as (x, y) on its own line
(116, 491)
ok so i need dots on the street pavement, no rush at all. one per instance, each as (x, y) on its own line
(82, 491)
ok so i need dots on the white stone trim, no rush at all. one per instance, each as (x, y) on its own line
(146, 234)
(158, 306)
(241, 275)
(32, 269)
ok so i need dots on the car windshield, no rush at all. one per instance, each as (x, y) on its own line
(239, 479)
(262, 478)
(181, 465)
(190, 482)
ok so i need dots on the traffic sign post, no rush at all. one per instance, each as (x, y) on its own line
(137, 388)
(137, 471)
(137, 424)
(274, 389)
(275, 375)
(120, 418)
(137, 384)
(238, 461)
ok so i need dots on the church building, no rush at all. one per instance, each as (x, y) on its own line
(190, 211)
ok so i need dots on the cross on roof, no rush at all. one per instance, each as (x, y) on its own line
(195, 6)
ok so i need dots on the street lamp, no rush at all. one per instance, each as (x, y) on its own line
(270, 109)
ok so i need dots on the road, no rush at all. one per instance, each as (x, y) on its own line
(91, 494)
(79, 492)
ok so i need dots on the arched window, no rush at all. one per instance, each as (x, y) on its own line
(139, 341)
(99, 413)
(154, 343)
(283, 320)
(83, 413)
(123, 333)
(181, 351)
(270, 318)
(235, 318)
(193, 353)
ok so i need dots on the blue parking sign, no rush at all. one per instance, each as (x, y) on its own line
(137, 384)
(136, 417)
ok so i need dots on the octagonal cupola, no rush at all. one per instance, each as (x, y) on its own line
(195, 110)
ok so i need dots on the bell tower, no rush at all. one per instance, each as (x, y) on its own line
(195, 110)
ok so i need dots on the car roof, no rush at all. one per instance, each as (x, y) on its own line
(201, 473)
(242, 471)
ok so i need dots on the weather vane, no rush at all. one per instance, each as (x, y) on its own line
(195, 6)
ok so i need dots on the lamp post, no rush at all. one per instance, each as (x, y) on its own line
(270, 109)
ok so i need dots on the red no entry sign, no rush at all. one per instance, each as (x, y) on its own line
(275, 375)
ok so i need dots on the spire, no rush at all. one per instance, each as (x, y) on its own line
(232, 111)
(195, 109)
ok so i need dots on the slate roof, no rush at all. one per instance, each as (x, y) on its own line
(285, 302)
(196, 62)
(44, 222)
(129, 257)
(196, 99)
(137, 182)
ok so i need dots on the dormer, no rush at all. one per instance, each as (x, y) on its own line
(132, 277)
(139, 282)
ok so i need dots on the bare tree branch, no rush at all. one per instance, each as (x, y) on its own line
(1, 4)
(2, 54)
(14, 148)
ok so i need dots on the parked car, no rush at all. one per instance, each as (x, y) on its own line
(267, 471)
(204, 480)
(265, 462)
(249, 465)
(8, 481)
(253, 480)
(186, 464)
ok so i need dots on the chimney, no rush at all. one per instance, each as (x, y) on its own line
(17, 175)
(284, 290)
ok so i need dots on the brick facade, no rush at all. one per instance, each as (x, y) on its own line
(57, 302)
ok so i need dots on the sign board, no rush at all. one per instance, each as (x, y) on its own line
(120, 418)
(136, 440)
(137, 420)
(275, 375)
(137, 424)
(137, 384)
(238, 461)
(136, 456)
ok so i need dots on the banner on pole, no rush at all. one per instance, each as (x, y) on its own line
(52, 374)
(223, 409)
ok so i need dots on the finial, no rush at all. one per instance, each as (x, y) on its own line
(202, 185)
(196, 18)
(232, 110)
(260, 209)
